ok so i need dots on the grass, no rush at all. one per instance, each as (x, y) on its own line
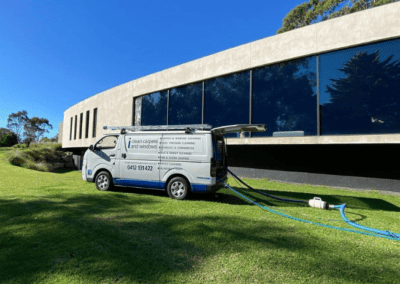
(57, 228)
(39, 157)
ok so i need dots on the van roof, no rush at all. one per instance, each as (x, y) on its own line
(162, 132)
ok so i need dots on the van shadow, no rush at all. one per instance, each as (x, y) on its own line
(226, 196)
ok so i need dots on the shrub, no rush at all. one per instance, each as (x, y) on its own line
(39, 157)
(19, 146)
(8, 139)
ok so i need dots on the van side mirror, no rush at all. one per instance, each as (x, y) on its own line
(91, 147)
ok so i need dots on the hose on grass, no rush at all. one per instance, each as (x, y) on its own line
(378, 233)
(262, 193)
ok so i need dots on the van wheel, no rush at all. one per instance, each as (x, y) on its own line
(103, 181)
(178, 188)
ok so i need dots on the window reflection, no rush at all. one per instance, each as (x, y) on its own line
(359, 90)
(227, 100)
(284, 97)
(154, 109)
(185, 105)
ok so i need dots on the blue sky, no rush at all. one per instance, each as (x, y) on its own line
(54, 54)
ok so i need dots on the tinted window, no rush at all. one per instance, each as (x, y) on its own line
(227, 100)
(154, 109)
(94, 122)
(285, 97)
(185, 105)
(359, 89)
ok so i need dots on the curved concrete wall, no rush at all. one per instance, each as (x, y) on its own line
(114, 106)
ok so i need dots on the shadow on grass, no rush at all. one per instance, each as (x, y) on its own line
(351, 201)
(226, 196)
(64, 170)
(94, 238)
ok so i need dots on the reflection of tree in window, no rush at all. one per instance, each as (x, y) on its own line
(366, 99)
(154, 109)
(284, 97)
(227, 100)
(185, 104)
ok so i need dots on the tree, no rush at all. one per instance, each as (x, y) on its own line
(16, 122)
(34, 128)
(321, 10)
(7, 138)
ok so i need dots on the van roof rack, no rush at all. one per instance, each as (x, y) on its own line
(159, 127)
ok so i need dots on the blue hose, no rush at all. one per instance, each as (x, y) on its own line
(282, 199)
(351, 223)
(305, 221)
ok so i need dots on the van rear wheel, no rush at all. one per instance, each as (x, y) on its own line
(103, 181)
(178, 188)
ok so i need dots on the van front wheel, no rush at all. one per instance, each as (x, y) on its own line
(103, 181)
(178, 188)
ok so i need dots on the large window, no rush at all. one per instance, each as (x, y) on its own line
(285, 97)
(76, 123)
(185, 105)
(154, 109)
(94, 122)
(227, 100)
(359, 89)
(87, 124)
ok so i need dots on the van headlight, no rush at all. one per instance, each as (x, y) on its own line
(84, 163)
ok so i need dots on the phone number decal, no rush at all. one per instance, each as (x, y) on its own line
(140, 168)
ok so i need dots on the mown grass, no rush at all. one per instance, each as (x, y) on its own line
(39, 157)
(57, 228)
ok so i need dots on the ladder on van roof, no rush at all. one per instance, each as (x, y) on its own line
(160, 127)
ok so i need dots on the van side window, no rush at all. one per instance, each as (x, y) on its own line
(108, 142)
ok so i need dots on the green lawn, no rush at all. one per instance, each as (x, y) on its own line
(57, 228)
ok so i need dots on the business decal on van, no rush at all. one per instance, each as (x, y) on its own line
(144, 145)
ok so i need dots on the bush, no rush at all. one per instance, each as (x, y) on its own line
(39, 157)
(23, 146)
(8, 139)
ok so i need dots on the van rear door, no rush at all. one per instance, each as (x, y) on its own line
(239, 128)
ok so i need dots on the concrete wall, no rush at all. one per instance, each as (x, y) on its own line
(115, 105)
(60, 132)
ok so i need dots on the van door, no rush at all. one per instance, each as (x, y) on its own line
(104, 153)
(139, 161)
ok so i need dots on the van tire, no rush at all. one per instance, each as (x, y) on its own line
(178, 188)
(104, 181)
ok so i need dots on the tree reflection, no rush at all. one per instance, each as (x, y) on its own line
(366, 99)
(284, 97)
(227, 100)
(154, 109)
(185, 105)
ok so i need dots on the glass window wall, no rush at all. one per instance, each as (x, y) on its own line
(154, 109)
(285, 97)
(359, 90)
(227, 100)
(185, 104)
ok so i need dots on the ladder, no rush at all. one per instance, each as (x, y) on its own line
(189, 127)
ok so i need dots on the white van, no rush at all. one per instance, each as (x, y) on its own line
(162, 157)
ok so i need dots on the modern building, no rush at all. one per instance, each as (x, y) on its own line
(329, 94)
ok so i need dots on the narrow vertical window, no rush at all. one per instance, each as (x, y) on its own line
(80, 125)
(76, 118)
(87, 124)
(70, 131)
(94, 121)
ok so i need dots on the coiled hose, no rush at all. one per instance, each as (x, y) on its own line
(378, 233)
